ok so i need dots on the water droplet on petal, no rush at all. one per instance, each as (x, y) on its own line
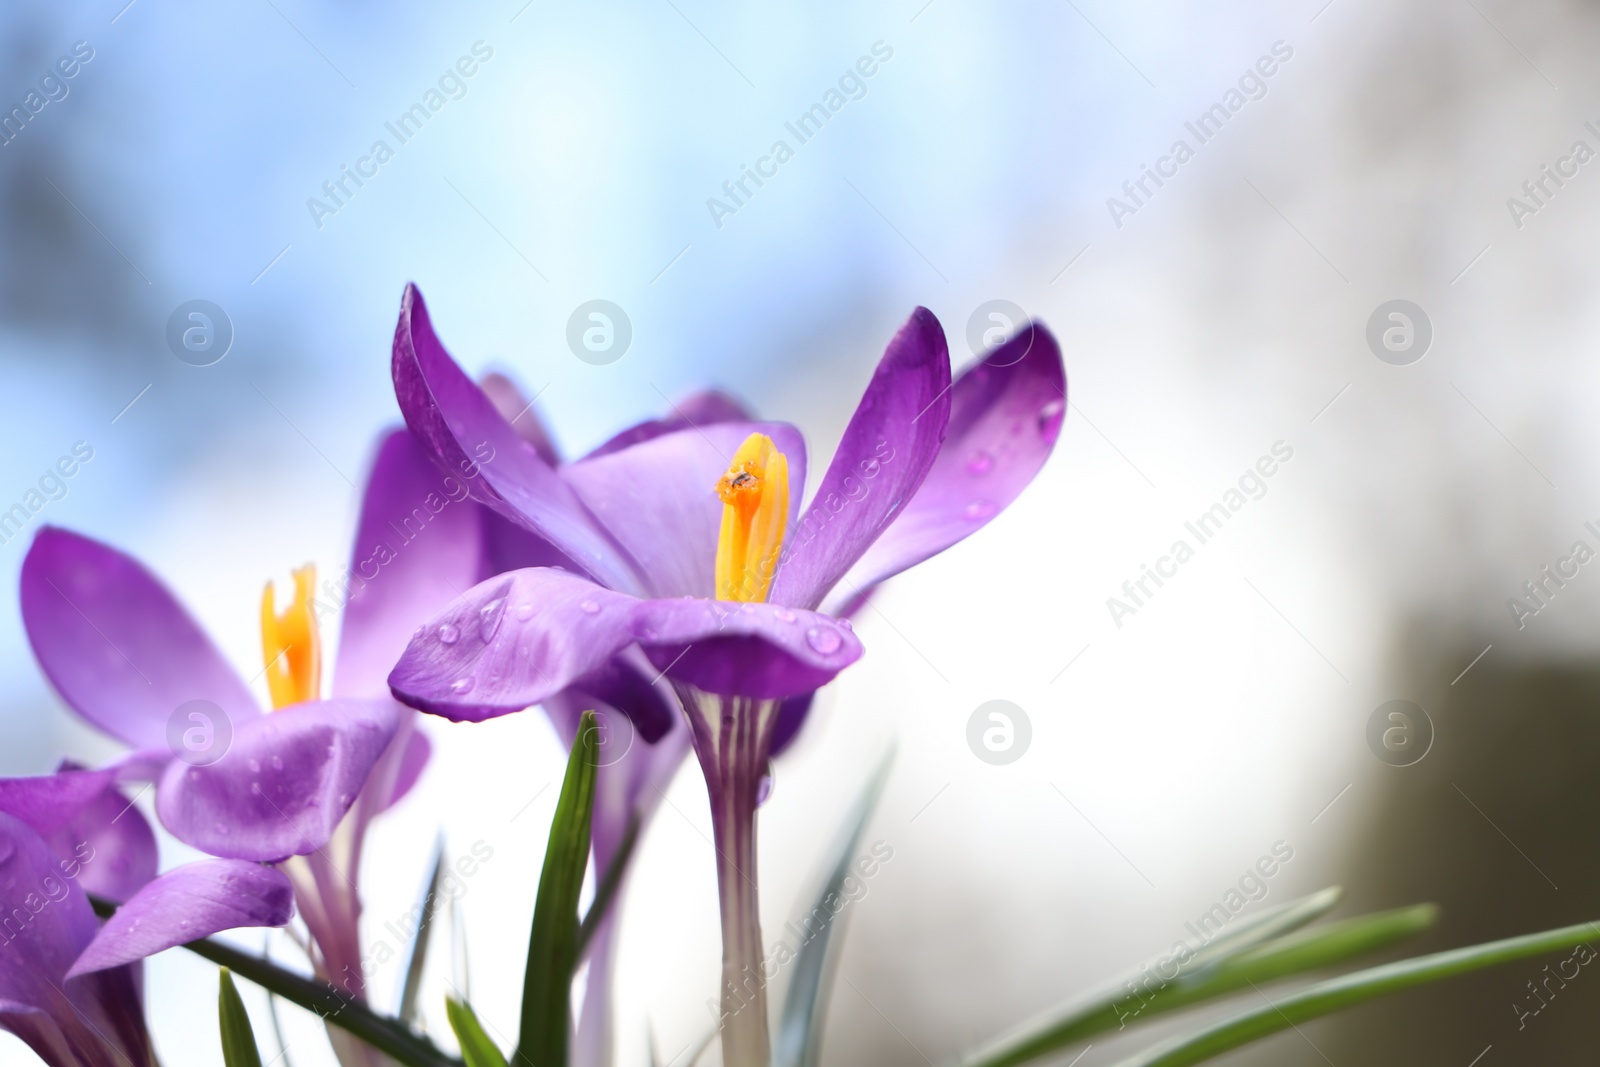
(461, 686)
(524, 612)
(764, 787)
(255, 787)
(589, 607)
(979, 509)
(344, 798)
(277, 763)
(786, 615)
(847, 624)
(824, 639)
(254, 765)
(980, 463)
(489, 617)
(1050, 418)
(448, 634)
(222, 828)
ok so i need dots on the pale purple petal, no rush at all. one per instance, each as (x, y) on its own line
(659, 498)
(885, 453)
(418, 546)
(1005, 416)
(517, 639)
(284, 783)
(510, 403)
(107, 842)
(414, 759)
(116, 644)
(464, 432)
(700, 410)
(186, 904)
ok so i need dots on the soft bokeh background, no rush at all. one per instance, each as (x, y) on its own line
(1226, 315)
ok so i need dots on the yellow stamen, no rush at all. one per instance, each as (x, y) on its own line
(755, 512)
(290, 643)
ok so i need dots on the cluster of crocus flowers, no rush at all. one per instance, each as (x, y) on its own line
(281, 798)
(688, 546)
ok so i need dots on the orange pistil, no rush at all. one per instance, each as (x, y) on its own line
(290, 644)
(755, 513)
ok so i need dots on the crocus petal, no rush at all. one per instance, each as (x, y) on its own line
(659, 498)
(107, 842)
(418, 751)
(510, 403)
(113, 641)
(1005, 416)
(461, 427)
(186, 904)
(628, 684)
(701, 409)
(519, 638)
(284, 783)
(418, 545)
(885, 453)
(57, 921)
(791, 716)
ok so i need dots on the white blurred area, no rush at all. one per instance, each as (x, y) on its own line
(1167, 753)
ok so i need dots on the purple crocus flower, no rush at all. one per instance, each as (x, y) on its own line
(62, 837)
(690, 545)
(289, 800)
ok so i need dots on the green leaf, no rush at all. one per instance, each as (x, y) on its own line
(476, 1048)
(1103, 1010)
(388, 1036)
(798, 1041)
(553, 940)
(1348, 990)
(419, 942)
(238, 1039)
(605, 891)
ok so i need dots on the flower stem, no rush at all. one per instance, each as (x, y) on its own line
(731, 738)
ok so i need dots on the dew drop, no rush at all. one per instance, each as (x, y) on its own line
(255, 787)
(277, 763)
(764, 787)
(786, 615)
(489, 617)
(524, 612)
(824, 639)
(1050, 418)
(589, 607)
(254, 765)
(980, 463)
(847, 624)
(344, 798)
(979, 509)
(222, 828)
(448, 634)
(461, 685)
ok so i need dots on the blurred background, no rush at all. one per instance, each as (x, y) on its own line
(1207, 321)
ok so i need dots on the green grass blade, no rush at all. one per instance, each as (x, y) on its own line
(1348, 990)
(1098, 1011)
(419, 942)
(553, 940)
(238, 1039)
(799, 1029)
(605, 891)
(476, 1048)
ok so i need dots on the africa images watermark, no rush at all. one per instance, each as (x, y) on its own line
(852, 890)
(1252, 887)
(1252, 85)
(53, 88)
(852, 85)
(1203, 528)
(52, 486)
(452, 85)
(1552, 577)
(1537, 192)
(51, 890)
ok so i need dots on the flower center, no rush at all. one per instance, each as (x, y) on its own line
(755, 512)
(290, 643)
